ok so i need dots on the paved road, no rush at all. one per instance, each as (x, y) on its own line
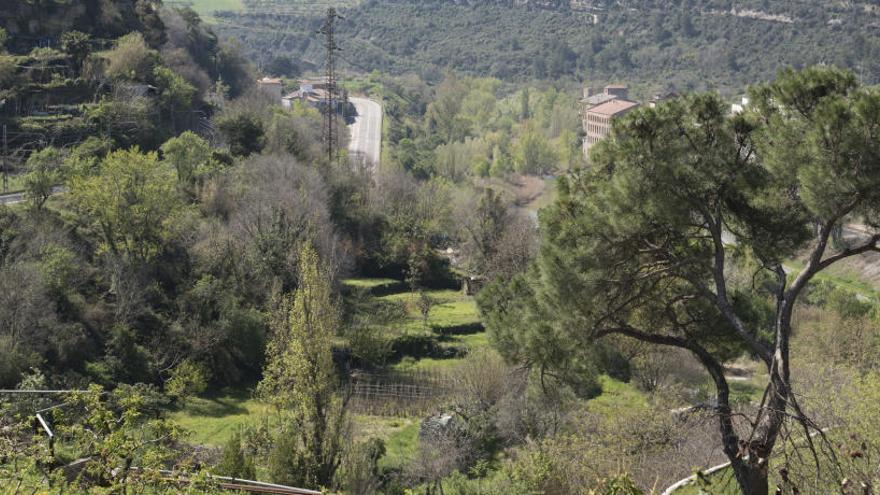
(366, 131)
(11, 199)
(18, 197)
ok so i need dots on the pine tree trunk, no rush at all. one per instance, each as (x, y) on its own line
(752, 470)
(752, 478)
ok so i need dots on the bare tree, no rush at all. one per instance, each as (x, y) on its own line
(515, 249)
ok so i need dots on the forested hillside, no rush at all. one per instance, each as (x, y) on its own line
(134, 72)
(688, 45)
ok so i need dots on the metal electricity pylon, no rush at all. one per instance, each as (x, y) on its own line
(330, 132)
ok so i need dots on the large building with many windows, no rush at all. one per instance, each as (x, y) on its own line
(597, 117)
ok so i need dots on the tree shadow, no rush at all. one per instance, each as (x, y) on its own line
(218, 406)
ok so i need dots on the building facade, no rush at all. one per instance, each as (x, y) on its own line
(599, 110)
(271, 86)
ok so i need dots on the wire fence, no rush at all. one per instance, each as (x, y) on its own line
(399, 393)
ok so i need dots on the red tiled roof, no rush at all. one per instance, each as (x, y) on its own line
(613, 107)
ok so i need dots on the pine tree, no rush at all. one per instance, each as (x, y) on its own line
(638, 247)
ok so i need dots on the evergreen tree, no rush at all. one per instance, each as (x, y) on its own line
(235, 462)
(638, 246)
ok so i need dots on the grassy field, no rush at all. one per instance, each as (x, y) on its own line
(212, 420)
(451, 310)
(546, 198)
(616, 395)
(401, 437)
(528, 192)
(841, 276)
(453, 319)
(369, 283)
(749, 390)
(206, 8)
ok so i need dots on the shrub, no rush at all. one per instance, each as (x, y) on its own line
(243, 133)
(131, 59)
(8, 72)
(76, 45)
(359, 473)
(235, 462)
(286, 463)
(416, 346)
(187, 379)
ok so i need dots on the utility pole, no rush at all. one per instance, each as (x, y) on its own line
(330, 131)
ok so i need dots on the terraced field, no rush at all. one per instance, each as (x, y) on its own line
(453, 325)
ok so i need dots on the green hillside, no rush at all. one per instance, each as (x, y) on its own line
(687, 45)
(207, 8)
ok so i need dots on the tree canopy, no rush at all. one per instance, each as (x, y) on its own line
(300, 380)
(132, 201)
(679, 235)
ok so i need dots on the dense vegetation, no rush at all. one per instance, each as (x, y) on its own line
(635, 248)
(466, 128)
(653, 45)
(137, 73)
(220, 299)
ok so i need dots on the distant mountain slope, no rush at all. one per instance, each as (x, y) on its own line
(687, 44)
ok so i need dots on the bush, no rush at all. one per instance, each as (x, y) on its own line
(286, 463)
(417, 346)
(8, 72)
(359, 473)
(76, 45)
(132, 59)
(619, 485)
(369, 346)
(187, 379)
(235, 462)
(244, 133)
(43, 173)
(14, 360)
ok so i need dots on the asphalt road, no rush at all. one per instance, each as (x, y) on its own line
(11, 199)
(366, 131)
(18, 197)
